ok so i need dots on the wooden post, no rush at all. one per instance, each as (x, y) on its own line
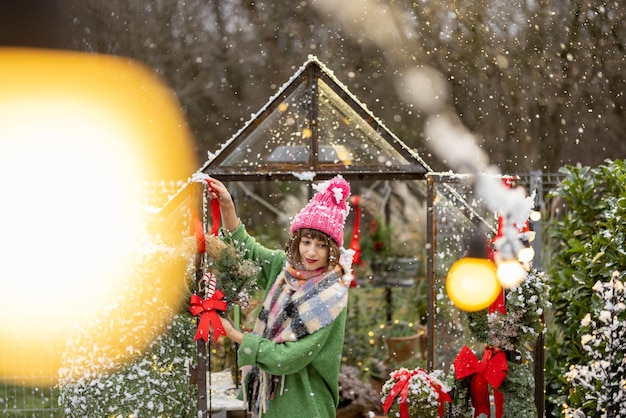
(540, 375)
(430, 271)
(197, 202)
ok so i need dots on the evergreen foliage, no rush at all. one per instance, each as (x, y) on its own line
(600, 385)
(588, 243)
(154, 385)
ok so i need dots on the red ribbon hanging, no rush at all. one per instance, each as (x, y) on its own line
(197, 228)
(355, 242)
(207, 308)
(490, 371)
(509, 182)
(209, 318)
(403, 377)
(215, 214)
(498, 304)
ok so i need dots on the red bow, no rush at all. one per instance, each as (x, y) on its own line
(207, 309)
(491, 370)
(403, 377)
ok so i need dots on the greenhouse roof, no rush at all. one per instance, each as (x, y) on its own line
(314, 128)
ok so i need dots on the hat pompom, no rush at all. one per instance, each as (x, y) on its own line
(340, 189)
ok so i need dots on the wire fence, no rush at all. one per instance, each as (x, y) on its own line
(26, 401)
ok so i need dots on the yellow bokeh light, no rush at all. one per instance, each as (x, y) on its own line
(79, 135)
(472, 284)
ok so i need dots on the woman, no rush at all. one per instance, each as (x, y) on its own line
(292, 357)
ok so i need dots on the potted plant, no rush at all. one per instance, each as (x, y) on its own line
(401, 340)
(357, 398)
(415, 393)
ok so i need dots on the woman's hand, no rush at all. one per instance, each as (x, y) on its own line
(234, 334)
(218, 191)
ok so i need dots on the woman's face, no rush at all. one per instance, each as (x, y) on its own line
(313, 253)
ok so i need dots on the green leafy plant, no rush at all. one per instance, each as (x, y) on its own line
(382, 242)
(236, 275)
(515, 333)
(376, 243)
(401, 342)
(519, 328)
(588, 242)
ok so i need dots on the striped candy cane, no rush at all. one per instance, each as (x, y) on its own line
(210, 278)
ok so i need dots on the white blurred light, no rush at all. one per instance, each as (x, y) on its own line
(510, 273)
(526, 254)
(535, 215)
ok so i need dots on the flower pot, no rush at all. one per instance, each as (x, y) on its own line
(402, 348)
(349, 411)
(377, 383)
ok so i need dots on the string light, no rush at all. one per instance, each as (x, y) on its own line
(472, 284)
(526, 254)
(510, 273)
(535, 215)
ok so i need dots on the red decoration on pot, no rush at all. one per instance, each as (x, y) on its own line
(403, 377)
(490, 371)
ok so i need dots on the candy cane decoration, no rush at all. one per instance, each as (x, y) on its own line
(210, 277)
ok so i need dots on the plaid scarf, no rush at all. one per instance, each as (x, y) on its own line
(288, 314)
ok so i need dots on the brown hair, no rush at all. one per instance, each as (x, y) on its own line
(292, 247)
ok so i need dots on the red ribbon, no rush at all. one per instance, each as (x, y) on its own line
(355, 243)
(490, 371)
(209, 318)
(215, 215)
(196, 222)
(403, 377)
(498, 304)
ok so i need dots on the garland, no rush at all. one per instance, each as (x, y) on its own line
(514, 333)
(227, 264)
(518, 329)
(236, 275)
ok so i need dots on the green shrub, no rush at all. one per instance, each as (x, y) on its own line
(154, 385)
(588, 242)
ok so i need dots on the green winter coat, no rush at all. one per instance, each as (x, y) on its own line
(310, 365)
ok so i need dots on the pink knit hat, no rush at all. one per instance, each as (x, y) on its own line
(327, 210)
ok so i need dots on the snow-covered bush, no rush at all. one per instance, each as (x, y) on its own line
(600, 384)
(155, 384)
(145, 371)
(587, 244)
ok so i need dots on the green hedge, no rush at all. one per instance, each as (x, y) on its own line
(588, 243)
